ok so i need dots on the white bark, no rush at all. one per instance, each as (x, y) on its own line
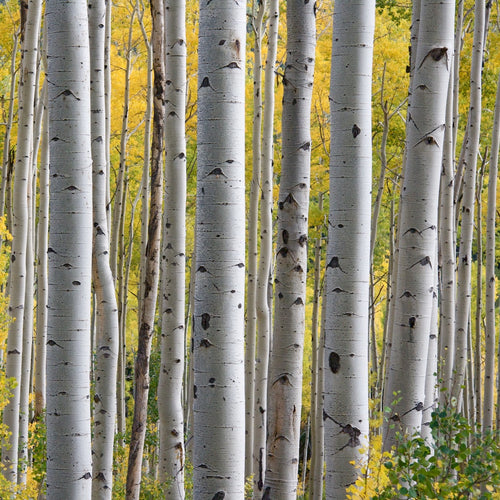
(152, 266)
(447, 243)
(106, 319)
(258, 9)
(69, 467)
(173, 262)
(219, 400)
(41, 271)
(264, 270)
(469, 191)
(20, 214)
(417, 240)
(489, 355)
(285, 365)
(348, 256)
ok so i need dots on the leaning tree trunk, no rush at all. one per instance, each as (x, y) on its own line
(419, 219)
(150, 289)
(106, 311)
(348, 257)
(285, 366)
(468, 202)
(22, 177)
(69, 461)
(170, 408)
(218, 336)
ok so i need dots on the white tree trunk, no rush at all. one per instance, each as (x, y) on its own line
(106, 347)
(69, 465)
(219, 400)
(418, 219)
(258, 9)
(348, 256)
(265, 260)
(285, 366)
(152, 269)
(469, 192)
(489, 355)
(173, 262)
(22, 178)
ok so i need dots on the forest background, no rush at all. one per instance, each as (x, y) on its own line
(131, 87)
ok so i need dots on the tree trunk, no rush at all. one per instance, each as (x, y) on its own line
(264, 270)
(348, 256)
(285, 366)
(20, 213)
(170, 385)
(69, 462)
(467, 225)
(218, 341)
(148, 300)
(106, 310)
(417, 239)
(489, 354)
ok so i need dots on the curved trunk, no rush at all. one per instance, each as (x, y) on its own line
(69, 463)
(218, 340)
(285, 364)
(106, 322)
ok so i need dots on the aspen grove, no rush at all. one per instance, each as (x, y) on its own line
(249, 250)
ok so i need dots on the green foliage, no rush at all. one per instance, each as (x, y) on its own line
(458, 462)
(397, 10)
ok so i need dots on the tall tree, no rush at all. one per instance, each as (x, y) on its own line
(20, 213)
(463, 305)
(170, 385)
(418, 218)
(348, 257)
(152, 265)
(219, 401)
(285, 366)
(106, 311)
(69, 463)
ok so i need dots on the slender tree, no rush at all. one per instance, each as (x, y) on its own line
(106, 311)
(148, 300)
(285, 365)
(173, 261)
(265, 259)
(468, 202)
(69, 465)
(219, 400)
(20, 214)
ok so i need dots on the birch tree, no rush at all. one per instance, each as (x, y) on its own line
(285, 366)
(418, 219)
(490, 335)
(20, 214)
(152, 269)
(218, 333)
(468, 202)
(170, 383)
(106, 349)
(264, 270)
(348, 256)
(69, 464)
